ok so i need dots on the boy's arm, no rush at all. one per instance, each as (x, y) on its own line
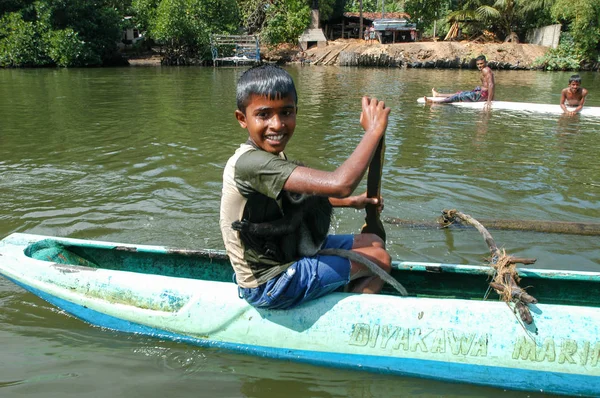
(344, 180)
(489, 76)
(582, 101)
(563, 98)
(358, 202)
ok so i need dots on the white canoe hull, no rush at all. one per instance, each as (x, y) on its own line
(520, 106)
(479, 342)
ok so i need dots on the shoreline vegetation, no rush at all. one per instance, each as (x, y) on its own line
(424, 54)
(77, 33)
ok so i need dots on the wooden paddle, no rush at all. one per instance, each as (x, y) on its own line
(373, 223)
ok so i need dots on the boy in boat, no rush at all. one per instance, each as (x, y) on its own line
(573, 96)
(258, 172)
(485, 92)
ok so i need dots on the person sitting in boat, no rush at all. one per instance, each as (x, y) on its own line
(258, 172)
(573, 96)
(485, 92)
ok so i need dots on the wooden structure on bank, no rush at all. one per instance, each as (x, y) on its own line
(347, 26)
(236, 49)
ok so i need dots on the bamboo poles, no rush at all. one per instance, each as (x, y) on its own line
(553, 227)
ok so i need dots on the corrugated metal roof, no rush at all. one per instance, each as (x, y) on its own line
(377, 15)
(393, 24)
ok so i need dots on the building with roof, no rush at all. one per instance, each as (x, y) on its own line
(392, 28)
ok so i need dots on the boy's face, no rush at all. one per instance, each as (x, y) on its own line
(574, 86)
(270, 122)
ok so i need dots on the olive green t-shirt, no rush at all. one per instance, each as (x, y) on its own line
(252, 183)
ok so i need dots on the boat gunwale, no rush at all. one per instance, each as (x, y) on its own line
(26, 240)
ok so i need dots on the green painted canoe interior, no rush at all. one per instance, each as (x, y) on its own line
(439, 282)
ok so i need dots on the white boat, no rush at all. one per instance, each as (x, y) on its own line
(443, 330)
(519, 106)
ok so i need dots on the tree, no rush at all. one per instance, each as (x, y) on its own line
(184, 27)
(367, 6)
(285, 21)
(583, 19)
(424, 12)
(58, 32)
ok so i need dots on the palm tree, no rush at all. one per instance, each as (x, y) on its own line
(505, 15)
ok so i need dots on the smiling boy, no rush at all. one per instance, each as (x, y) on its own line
(258, 172)
(573, 96)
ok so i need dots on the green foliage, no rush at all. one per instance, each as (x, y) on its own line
(253, 13)
(376, 5)
(281, 21)
(502, 17)
(565, 57)
(184, 27)
(59, 32)
(8, 6)
(367, 6)
(583, 17)
(21, 42)
(394, 6)
(97, 24)
(145, 13)
(285, 21)
(66, 49)
(424, 12)
(176, 23)
(536, 13)
(123, 7)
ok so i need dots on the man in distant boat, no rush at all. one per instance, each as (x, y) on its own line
(573, 96)
(485, 92)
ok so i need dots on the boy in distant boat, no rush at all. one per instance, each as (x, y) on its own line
(573, 96)
(485, 92)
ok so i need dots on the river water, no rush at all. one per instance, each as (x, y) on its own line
(136, 155)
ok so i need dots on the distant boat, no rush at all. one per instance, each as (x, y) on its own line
(520, 106)
(444, 331)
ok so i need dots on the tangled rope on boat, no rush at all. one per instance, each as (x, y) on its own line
(506, 278)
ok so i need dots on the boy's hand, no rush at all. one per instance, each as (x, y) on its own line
(374, 115)
(359, 202)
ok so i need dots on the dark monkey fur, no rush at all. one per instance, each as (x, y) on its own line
(302, 231)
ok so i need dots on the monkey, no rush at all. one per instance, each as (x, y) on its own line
(302, 231)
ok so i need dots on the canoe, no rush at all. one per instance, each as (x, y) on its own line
(522, 107)
(443, 330)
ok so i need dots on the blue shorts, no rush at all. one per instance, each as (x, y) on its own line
(306, 279)
(475, 95)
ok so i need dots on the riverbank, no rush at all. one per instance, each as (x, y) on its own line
(427, 54)
(354, 52)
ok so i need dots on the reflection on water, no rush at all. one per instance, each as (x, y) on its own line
(136, 155)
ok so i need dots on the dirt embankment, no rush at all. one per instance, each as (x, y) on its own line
(353, 52)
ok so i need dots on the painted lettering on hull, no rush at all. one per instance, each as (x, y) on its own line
(436, 341)
(565, 351)
(451, 342)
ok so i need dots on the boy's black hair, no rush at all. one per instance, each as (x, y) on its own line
(575, 78)
(481, 58)
(264, 80)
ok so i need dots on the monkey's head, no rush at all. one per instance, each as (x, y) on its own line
(295, 198)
